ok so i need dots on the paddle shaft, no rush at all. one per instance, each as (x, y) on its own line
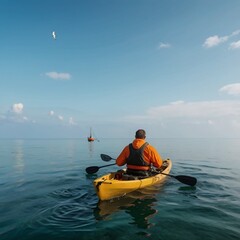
(107, 165)
(94, 169)
(167, 174)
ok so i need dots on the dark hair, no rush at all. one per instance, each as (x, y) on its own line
(140, 134)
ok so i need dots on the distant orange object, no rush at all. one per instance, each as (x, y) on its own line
(91, 138)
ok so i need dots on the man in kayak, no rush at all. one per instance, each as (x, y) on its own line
(139, 156)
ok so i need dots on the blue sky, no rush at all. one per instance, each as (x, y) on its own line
(170, 67)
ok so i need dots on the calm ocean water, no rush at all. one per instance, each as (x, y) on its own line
(46, 194)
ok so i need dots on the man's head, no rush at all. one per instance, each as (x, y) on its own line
(140, 134)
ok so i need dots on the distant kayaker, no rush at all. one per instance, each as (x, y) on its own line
(139, 156)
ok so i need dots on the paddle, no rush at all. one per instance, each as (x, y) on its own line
(181, 178)
(94, 169)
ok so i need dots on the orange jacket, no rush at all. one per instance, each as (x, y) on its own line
(151, 156)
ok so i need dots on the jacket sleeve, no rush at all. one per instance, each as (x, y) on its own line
(121, 159)
(155, 157)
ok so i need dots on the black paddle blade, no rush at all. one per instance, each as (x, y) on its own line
(187, 180)
(92, 169)
(105, 157)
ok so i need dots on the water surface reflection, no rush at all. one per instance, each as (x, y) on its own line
(19, 156)
(139, 206)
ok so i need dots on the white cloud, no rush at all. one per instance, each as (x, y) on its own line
(210, 122)
(190, 119)
(177, 102)
(231, 89)
(51, 113)
(71, 121)
(235, 45)
(60, 117)
(59, 76)
(203, 109)
(194, 111)
(17, 108)
(15, 115)
(25, 118)
(164, 45)
(235, 33)
(214, 41)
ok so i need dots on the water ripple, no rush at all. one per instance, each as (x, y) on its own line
(72, 210)
(68, 217)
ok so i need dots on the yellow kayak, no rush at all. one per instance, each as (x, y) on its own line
(118, 184)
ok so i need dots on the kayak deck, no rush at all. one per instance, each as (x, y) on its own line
(117, 184)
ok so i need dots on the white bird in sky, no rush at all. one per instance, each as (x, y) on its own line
(54, 35)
